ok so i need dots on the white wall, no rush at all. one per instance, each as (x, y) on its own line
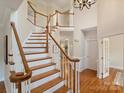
(67, 35)
(1, 59)
(24, 27)
(110, 21)
(6, 7)
(83, 19)
(116, 51)
(110, 17)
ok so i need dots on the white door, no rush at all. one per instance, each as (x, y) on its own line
(105, 58)
(92, 54)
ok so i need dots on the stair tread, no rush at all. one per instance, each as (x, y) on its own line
(37, 39)
(37, 59)
(47, 85)
(33, 53)
(63, 89)
(42, 66)
(33, 47)
(36, 43)
(43, 75)
(38, 33)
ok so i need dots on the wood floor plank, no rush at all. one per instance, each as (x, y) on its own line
(2, 87)
(89, 83)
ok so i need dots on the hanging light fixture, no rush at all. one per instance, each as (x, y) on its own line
(83, 3)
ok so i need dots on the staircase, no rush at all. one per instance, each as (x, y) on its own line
(47, 68)
(45, 77)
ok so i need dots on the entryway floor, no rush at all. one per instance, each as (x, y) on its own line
(2, 87)
(91, 84)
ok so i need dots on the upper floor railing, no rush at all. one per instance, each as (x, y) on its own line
(56, 19)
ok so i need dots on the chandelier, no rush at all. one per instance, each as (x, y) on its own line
(83, 3)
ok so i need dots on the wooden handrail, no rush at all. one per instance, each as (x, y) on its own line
(48, 17)
(70, 59)
(41, 14)
(27, 69)
(66, 12)
(15, 78)
(29, 3)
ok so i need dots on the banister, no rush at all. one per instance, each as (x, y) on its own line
(66, 12)
(15, 77)
(31, 6)
(41, 14)
(29, 3)
(27, 69)
(70, 59)
(51, 15)
(22, 77)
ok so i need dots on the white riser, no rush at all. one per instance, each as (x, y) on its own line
(35, 45)
(44, 80)
(36, 41)
(54, 88)
(43, 70)
(37, 37)
(34, 49)
(39, 29)
(36, 56)
(36, 63)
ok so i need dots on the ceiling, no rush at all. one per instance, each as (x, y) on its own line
(57, 3)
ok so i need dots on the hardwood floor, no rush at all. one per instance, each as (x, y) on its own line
(2, 88)
(91, 84)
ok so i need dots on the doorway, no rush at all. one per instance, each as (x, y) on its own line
(91, 48)
(92, 54)
(113, 57)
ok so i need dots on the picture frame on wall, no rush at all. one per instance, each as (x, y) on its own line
(6, 49)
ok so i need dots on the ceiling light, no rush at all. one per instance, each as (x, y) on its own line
(83, 3)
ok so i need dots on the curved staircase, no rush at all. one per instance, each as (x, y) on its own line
(45, 77)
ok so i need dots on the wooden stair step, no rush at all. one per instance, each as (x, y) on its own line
(44, 75)
(42, 66)
(39, 33)
(37, 39)
(33, 53)
(38, 36)
(47, 85)
(34, 47)
(38, 59)
(63, 89)
(36, 43)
